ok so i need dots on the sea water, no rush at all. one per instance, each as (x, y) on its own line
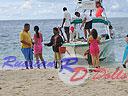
(10, 44)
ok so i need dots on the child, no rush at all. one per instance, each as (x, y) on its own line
(26, 46)
(94, 48)
(56, 42)
(38, 47)
(125, 57)
(72, 34)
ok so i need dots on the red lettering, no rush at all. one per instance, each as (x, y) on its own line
(107, 76)
(119, 74)
(77, 70)
(115, 75)
(124, 76)
(98, 75)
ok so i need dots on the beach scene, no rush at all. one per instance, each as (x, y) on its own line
(63, 48)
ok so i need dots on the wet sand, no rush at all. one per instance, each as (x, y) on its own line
(47, 83)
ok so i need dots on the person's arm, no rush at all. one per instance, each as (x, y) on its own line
(89, 39)
(62, 41)
(34, 38)
(41, 38)
(64, 19)
(23, 41)
(84, 21)
(31, 38)
(98, 39)
(50, 43)
(26, 43)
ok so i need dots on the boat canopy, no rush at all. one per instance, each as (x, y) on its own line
(95, 20)
(100, 20)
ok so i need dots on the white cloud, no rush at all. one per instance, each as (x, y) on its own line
(40, 9)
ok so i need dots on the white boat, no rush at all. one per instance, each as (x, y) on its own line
(78, 48)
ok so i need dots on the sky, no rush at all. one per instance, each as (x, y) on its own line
(52, 9)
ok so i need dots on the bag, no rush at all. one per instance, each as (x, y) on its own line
(62, 50)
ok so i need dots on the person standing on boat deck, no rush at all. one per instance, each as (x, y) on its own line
(99, 10)
(66, 23)
(56, 42)
(26, 46)
(38, 47)
(125, 57)
(77, 26)
(72, 33)
(87, 23)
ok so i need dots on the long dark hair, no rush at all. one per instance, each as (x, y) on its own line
(36, 29)
(100, 4)
(94, 33)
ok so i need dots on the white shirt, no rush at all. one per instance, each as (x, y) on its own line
(77, 26)
(67, 16)
(88, 18)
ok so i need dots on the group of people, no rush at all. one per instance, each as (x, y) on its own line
(71, 31)
(28, 45)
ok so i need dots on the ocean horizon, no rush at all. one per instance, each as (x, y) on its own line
(52, 19)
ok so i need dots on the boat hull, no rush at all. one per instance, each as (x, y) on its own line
(77, 50)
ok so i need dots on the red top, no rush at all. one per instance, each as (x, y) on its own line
(99, 12)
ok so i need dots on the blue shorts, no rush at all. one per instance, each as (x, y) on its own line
(28, 54)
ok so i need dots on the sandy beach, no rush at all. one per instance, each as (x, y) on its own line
(47, 83)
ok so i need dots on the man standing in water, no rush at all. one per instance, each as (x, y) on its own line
(26, 46)
(66, 23)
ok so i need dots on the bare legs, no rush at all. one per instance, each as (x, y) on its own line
(67, 33)
(57, 59)
(39, 56)
(95, 61)
(85, 32)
